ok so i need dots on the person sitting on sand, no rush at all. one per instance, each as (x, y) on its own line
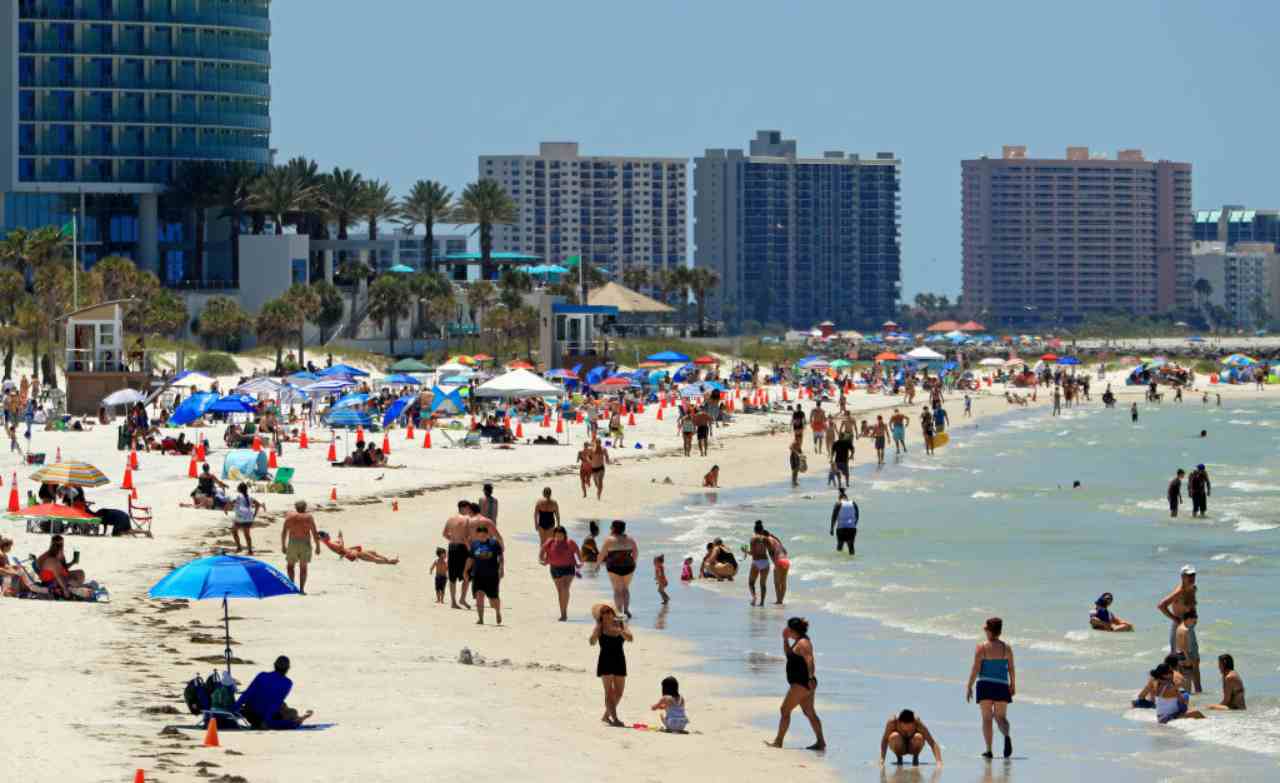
(671, 707)
(1171, 702)
(209, 491)
(1232, 685)
(1101, 619)
(55, 574)
(354, 553)
(262, 703)
(906, 735)
(13, 577)
(712, 479)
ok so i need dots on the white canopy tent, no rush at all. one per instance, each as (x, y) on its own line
(924, 354)
(261, 386)
(193, 378)
(992, 361)
(518, 383)
(452, 368)
(123, 397)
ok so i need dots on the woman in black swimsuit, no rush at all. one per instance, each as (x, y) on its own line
(801, 682)
(620, 554)
(590, 549)
(546, 517)
(611, 667)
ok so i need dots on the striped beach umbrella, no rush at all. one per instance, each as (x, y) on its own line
(70, 473)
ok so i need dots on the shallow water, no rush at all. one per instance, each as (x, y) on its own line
(991, 526)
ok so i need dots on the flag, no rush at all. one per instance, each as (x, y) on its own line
(69, 229)
(572, 260)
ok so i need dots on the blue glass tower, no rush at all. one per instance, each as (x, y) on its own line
(104, 99)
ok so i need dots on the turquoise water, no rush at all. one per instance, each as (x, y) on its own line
(991, 526)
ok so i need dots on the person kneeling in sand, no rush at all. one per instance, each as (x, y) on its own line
(263, 705)
(355, 552)
(906, 735)
(1171, 703)
(1101, 618)
(712, 479)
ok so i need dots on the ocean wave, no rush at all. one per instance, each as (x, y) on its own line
(1251, 486)
(891, 587)
(1077, 636)
(1248, 526)
(982, 495)
(1232, 558)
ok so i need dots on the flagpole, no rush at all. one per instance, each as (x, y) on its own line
(75, 261)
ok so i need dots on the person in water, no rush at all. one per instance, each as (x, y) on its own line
(906, 735)
(994, 673)
(1186, 644)
(1133, 413)
(802, 682)
(761, 552)
(844, 522)
(1175, 492)
(1171, 703)
(1232, 685)
(1101, 619)
(1179, 602)
(1199, 488)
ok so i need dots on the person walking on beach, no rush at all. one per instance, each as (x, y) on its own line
(898, 426)
(546, 516)
(997, 683)
(246, 511)
(1057, 401)
(797, 425)
(489, 504)
(296, 536)
(1133, 413)
(841, 453)
(781, 567)
(796, 458)
(599, 459)
(584, 467)
(802, 682)
(1199, 488)
(818, 425)
(702, 425)
(761, 550)
(610, 634)
(926, 429)
(457, 530)
(620, 553)
(906, 735)
(562, 555)
(968, 407)
(486, 567)
(1175, 492)
(879, 431)
(660, 578)
(844, 522)
(687, 427)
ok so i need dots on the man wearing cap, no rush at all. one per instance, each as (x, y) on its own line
(1198, 487)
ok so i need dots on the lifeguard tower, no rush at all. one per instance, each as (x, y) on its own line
(96, 363)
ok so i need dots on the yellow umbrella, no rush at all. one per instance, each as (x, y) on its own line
(70, 473)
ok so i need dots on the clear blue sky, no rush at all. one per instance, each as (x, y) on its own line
(405, 89)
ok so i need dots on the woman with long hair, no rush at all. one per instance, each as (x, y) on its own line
(802, 682)
(611, 667)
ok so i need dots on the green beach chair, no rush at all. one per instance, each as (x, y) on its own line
(282, 483)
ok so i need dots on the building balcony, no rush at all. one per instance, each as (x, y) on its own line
(258, 22)
(239, 87)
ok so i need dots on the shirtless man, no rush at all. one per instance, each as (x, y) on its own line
(879, 431)
(296, 538)
(898, 425)
(761, 551)
(600, 458)
(818, 424)
(1232, 685)
(455, 532)
(906, 735)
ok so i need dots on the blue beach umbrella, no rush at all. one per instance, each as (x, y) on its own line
(192, 408)
(350, 400)
(395, 409)
(342, 369)
(223, 576)
(400, 379)
(667, 356)
(1068, 360)
(232, 403)
(349, 418)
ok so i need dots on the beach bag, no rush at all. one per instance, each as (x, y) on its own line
(196, 695)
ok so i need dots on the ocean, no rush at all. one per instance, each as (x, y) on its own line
(991, 525)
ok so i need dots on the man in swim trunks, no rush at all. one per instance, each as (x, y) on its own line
(844, 522)
(761, 551)
(797, 425)
(456, 532)
(906, 735)
(1199, 488)
(818, 423)
(702, 423)
(940, 418)
(1232, 685)
(841, 453)
(898, 426)
(296, 536)
(879, 431)
(926, 428)
(1175, 492)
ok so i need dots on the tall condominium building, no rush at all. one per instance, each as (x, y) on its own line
(1053, 239)
(798, 240)
(1233, 224)
(614, 211)
(101, 101)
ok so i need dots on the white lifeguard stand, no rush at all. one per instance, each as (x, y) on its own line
(96, 362)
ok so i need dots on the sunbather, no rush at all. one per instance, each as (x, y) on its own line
(16, 582)
(56, 576)
(355, 552)
(262, 703)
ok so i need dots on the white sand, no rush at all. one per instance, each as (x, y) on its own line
(372, 653)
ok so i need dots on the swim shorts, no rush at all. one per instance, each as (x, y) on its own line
(458, 555)
(298, 550)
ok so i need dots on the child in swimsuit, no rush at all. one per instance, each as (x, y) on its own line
(686, 572)
(441, 570)
(660, 577)
(671, 707)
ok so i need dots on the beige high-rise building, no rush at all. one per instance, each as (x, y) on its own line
(614, 211)
(1050, 240)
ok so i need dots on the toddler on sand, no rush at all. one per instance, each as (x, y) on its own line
(671, 705)
(441, 569)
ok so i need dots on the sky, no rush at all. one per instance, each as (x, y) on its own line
(403, 90)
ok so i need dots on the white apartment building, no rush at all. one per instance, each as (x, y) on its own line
(613, 211)
(1239, 276)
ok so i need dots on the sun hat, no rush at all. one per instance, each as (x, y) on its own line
(598, 610)
(1188, 570)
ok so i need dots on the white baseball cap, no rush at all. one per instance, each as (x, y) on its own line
(1188, 570)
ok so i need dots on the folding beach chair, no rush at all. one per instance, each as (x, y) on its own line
(140, 517)
(282, 482)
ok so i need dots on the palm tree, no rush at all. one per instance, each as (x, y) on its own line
(274, 327)
(440, 311)
(425, 286)
(389, 302)
(196, 187)
(635, 276)
(12, 289)
(282, 194)
(480, 296)
(701, 280)
(512, 286)
(235, 195)
(679, 279)
(378, 205)
(307, 173)
(427, 202)
(26, 250)
(342, 193)
(306, 305)
(485, 203)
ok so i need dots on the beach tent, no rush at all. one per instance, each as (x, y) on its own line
(449, 401)
(192, 408)
(1238, 360)
(395, 409)
(349, 418)
(668, 357)
(992, 361)
(260, 386)
(342, 369)
(924, 354)
(409, 365)
(232, 403)
(327, 386)
(350, 400)
(517, 383)
(943, 326)
(887, 356)
(302, 378)
(449, 368)
(971, 326)
(244, 464)
(190, 378)
(400, 379)
(562, 373)
(1068, 360)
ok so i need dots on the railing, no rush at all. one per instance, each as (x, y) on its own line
(195, 151)
(259, 22)
(236, 86)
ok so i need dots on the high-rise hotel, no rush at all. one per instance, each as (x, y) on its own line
(101, 101)
(614, 211)
(1050, 240)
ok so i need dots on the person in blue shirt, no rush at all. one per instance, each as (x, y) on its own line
(262, 703)
(940, 419)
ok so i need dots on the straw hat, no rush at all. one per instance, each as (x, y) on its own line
(598, 609)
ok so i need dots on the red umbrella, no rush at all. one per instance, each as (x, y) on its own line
(482, 357)
(53, 511)
(706, 360)
(887, 356)
(1049, 357)
(520, 364)
(616, 383)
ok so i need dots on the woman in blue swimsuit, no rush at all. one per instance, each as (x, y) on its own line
(993, 671)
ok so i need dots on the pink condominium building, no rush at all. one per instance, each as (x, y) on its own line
(1051, 240)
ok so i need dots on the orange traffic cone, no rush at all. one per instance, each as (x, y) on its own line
(211, 734)
(257, 443)
(133, 460)
(659, 414)
(59, 457)
(408, 435)
(359, 432)
(426, 439)
(302, 441)
(139, 777)
(640, 409)
(506, 423)
(271, 459)
(333, 452)
(386, 443)
(200, 452)
(333, 493)
(13, 495)
(128, 479)
(578, 420)
(546, 420)
(519, 429)
(785, 398)
(631, 419)
(395, 505)
(559, 426)
(192, 472)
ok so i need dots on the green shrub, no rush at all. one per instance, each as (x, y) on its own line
(213, 363)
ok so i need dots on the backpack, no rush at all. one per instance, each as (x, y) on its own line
(196, 695)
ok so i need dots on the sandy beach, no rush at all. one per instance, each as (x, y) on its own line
(372, 652)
